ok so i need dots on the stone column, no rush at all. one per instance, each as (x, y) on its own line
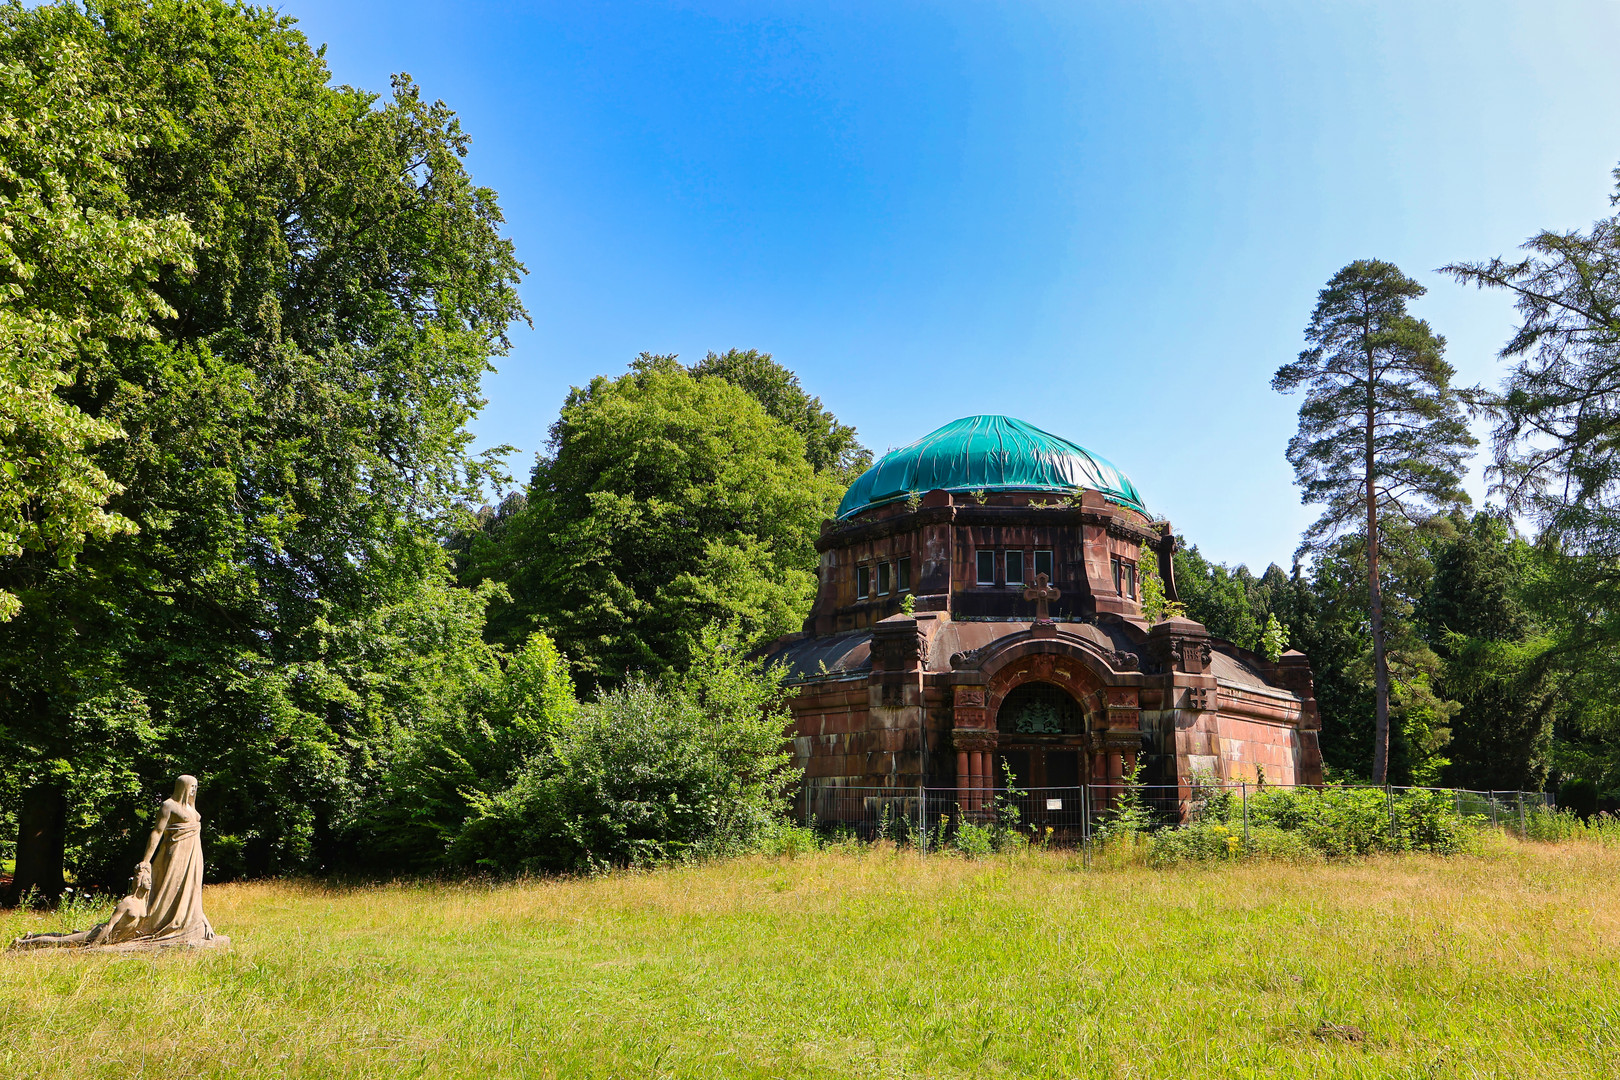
(1122, 736)
(974, 745)
(972, 737)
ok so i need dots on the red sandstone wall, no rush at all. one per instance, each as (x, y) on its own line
(840, 739)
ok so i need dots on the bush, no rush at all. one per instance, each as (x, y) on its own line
(1202, 842)
(1545, 823)
(1280, 845)
(1220, 843)
(444, 764)
(1579, 796)
(650, 772)
(782, 838)
(1339, 821)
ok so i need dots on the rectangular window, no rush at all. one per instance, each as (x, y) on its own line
(883, 579)
(987, 568)
(902, 576)
(1043, 564)
(863, 582)
(1015, 567)
(1119, 576)
(1130, 580)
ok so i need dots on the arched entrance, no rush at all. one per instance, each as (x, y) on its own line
(1041, 737)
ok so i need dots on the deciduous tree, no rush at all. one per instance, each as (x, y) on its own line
(665, 501)
(829, 446)
(294, 436)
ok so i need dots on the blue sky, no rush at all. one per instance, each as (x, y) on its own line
(1109, 219)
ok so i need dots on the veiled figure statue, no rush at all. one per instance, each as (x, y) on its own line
(165, 907)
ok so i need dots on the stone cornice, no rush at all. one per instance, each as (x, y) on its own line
(846, 534)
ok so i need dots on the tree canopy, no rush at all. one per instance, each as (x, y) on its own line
(829, 446)
(304, 288)
(77, 263)
(1381, 431)
(666, 500)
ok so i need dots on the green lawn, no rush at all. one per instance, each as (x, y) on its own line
(874, 965)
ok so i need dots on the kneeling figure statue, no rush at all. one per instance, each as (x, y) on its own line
(165, 907)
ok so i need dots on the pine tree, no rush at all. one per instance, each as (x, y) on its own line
(1380, 432)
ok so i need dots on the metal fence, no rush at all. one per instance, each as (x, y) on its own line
(1074, 816)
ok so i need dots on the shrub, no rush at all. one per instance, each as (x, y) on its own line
(1338, 821)
(1279, 845)
(444, 763)
(1195, 843)
(974, 840)
(1545, 823)
(650, 772)
(1579, 796)
(1221, 842)
(785, 839)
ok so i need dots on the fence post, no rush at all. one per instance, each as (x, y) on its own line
(1244, 784)
(1085, 824)
(922, 820)
(1490, 797)
(1456, 797)
(1524, 833)
(804, 794)
(1389, 804)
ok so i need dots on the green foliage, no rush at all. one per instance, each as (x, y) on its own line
(1273, 639)
(1223, 842)
(77, 263)
(1217, 596)
(1127, 815)
(1579, 796)
(1297, 824)
(1558, 411)
(1381, 432)
(1565, 824)
(829, 446)
(666, 501)
(292, 377)
(647, 773)
(1379, 406)
(442, 762)
(1479, 614)
(1556, 465)
(1155, 606)
(996, 832)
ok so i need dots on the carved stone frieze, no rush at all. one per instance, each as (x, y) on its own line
(973, 739)
(971, 697)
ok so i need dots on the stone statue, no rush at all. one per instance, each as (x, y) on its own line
(165, 907)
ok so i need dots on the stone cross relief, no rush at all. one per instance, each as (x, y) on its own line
(1042, 593)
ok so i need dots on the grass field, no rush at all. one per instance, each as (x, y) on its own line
(869, 965)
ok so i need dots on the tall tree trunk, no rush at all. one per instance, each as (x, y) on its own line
(41, 838)
(1375, 598)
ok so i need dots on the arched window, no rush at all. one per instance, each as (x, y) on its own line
(1038, 708)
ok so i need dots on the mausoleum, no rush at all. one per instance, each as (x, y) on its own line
(980, 607)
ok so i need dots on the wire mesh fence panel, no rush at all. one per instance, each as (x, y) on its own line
(937, 818)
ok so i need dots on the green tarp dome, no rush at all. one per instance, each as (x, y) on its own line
(990, 453)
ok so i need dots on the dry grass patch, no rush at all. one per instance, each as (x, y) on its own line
(869, 965)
